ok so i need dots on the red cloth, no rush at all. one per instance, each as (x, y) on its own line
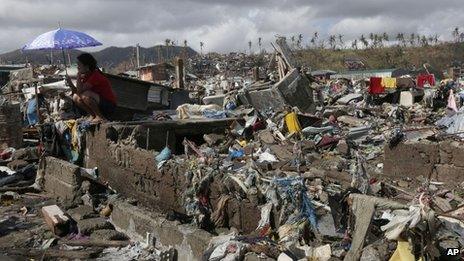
(425, 78)
(101, 86)
(375, 85)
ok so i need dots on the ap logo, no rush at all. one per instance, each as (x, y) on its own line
(452, 251)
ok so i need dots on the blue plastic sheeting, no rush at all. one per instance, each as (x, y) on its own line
(293, 189)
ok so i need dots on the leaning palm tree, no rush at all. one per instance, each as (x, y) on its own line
(167, 42)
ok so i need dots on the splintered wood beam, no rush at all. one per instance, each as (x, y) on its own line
(285, 52)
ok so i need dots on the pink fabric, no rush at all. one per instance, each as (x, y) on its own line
(452, 102)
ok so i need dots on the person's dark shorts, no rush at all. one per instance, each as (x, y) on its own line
(106, 107)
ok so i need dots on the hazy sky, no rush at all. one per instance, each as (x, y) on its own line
(223, 25)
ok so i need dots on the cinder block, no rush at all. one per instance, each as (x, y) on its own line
(60, 189)
(63, 171)
(449, 174)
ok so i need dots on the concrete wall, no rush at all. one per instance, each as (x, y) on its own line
(443, 161)
(132, 172)
(61, 179)
(189, 241)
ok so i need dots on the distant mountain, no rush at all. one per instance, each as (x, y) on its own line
(113, 58)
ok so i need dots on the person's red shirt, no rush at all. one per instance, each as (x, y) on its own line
(101, 86)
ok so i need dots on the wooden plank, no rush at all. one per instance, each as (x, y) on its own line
(286, 53)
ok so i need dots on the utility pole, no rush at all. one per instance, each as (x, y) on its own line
(180, 73)
(137, 58)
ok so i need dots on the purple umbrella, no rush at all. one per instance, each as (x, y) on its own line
(61, 39)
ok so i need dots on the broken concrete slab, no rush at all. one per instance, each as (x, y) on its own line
(87, 226)
(61, 190)
(107, 235)
(81, 212)
(62, 170)
(414, 158)
(136, 222)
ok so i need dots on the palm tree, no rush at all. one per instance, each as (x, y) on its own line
(424, 40)
(371, 37)
(354, 44)
(332, 40)
(412, 39)
(364, 41)
(299, 41)
(201, 47)
(314, 38)
(260, 43)
(167, 42)
(249, 47)
(399, 38)
(403, 40)
(456, 34)
(340, 40)
(385, 37)
(376, 40)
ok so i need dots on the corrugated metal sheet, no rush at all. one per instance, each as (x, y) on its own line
(154, 94)
(130, 93)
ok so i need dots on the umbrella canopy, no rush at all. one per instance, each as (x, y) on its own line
(61, 39)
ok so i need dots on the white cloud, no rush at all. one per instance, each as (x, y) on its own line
(223, 25)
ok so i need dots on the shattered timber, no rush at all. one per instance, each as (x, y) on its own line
(221, 159)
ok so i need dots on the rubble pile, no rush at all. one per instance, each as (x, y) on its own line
(333, 169)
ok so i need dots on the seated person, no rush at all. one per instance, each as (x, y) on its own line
(93, 92)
